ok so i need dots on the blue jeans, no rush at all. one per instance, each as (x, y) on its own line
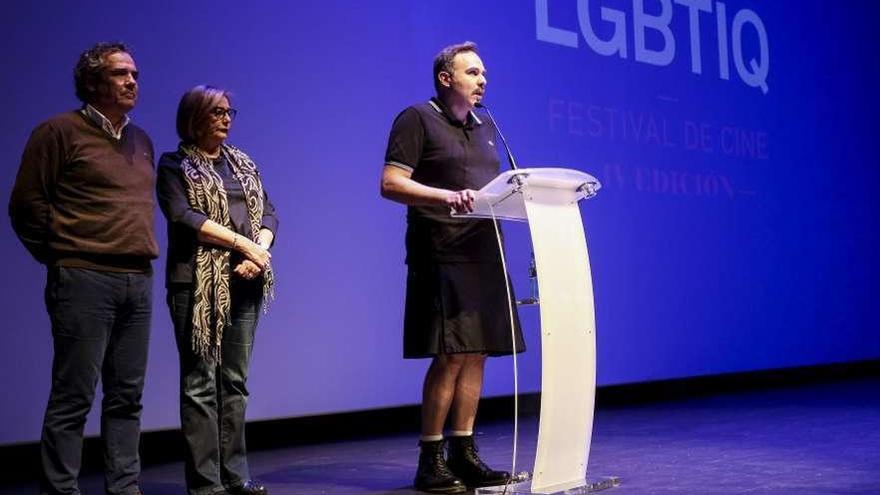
(213, 397)
(100, 327)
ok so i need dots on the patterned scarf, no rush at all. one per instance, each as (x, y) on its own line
(205, 193)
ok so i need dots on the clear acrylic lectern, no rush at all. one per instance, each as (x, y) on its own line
(547, 198)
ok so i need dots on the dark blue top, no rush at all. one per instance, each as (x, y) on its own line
(184, 222)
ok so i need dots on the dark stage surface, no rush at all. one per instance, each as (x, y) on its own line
(810, 439)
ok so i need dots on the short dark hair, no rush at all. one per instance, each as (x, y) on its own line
(443, 60)
(195, 108)
(88, 72)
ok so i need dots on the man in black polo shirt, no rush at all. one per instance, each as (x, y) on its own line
(439, 152)
(83, 206)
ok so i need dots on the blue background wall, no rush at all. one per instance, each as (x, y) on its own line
(709, 255)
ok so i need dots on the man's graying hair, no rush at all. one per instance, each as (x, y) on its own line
(89, 67)
(443, 60)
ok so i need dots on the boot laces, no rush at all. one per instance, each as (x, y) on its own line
(469, 452)
(438, 462)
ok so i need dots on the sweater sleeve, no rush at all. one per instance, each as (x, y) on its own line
(30, 205)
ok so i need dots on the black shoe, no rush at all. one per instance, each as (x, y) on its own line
(432, 475)
(249, 487)
(464, 462)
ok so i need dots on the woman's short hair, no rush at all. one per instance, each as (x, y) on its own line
(195, 108)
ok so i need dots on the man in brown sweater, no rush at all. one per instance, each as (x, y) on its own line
(83, 206)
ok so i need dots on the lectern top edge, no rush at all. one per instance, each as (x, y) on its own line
(502, 197)
(549, 177)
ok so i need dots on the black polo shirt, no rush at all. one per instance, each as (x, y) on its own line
(445, 153)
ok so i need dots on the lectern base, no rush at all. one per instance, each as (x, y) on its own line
(525, 488)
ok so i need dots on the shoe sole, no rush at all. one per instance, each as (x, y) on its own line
(457, 489)
(487, 483)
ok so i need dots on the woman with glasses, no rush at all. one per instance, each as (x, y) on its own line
(218, 277)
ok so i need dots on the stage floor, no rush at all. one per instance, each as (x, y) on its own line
(811, 439)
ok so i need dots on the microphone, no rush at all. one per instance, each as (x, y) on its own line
(503, 141)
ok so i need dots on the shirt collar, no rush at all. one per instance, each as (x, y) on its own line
(438, 105)
(100, 120)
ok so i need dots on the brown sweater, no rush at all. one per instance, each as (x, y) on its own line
(85, 199)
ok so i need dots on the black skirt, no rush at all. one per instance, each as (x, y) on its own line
(458, 307)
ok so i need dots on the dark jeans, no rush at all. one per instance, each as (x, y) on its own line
(100, 327)
(213, 397)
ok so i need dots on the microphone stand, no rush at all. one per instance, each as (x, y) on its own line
(503, 141)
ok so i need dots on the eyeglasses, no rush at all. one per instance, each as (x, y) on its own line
(220, 112)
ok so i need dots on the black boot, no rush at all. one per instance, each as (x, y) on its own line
(433, 475)
(466, 464)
